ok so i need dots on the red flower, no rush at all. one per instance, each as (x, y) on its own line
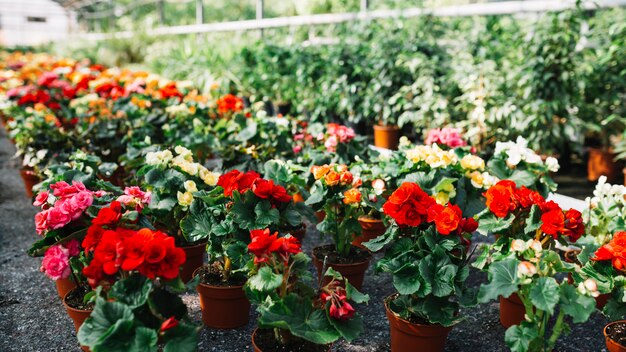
(469, 225)
(448, 220)
(553, 222)
(408, 205)
(266, 189)
(170, 323)
(526, 197)
(286, 245)
(574, 227)
(109, 215)
(170, 91)
(235, 180)
(229, 103)
(615, 251)
(501, 198)
(340, 309)
(262, 244)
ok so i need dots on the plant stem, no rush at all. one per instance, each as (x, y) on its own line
(226, 271)
(556, 331)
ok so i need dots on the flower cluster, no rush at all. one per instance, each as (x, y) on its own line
(241, 182)
(135, 197)
(450, 137)
(340, 308)
(263, 245)
(335, 134)
(56, 260)
(338, 176)
(607, 193)
(518, 151)
(410, 206)
(229, 103)
(506, 198)
(615, 251)
(66, 204)
(151, 253)
(432, 155)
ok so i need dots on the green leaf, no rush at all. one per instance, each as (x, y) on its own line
(265, 280)
(503, 281)
(544, 294)
(491, 224)
(132, 291)
(266, 215)
(316, 196)
(534, 220)
(299, 317)
(576, 305)
(164, 304)
(196, 225)
(355, 295)
(519, 337)
(184, 337)
(407, 280)
(523, 178)
(349, 329)
(124, 338)
(104, 319)
(439, 272)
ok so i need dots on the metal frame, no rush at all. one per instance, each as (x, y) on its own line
(260, 23)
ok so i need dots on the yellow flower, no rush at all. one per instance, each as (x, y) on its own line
(442, 198)
(190, 186)
(472, 162)
(184, 199)
(210, 178)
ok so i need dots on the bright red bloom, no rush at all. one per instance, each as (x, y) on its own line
(501, 198)
(286, 245)
(448, 220)
(526, 197)
(340, 309)
(574, 225)
(615, 251)
(229, 103)
(168, 324)
(109, 215)
(260, 243)
(235, 180)
(553, 222)
(408, 205)
(170, 91)
(94, 233)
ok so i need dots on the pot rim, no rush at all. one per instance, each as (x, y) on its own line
(394, 295)
(368, 260)
(386, 127)
(70, 307)
(606, 336)
(225, 288)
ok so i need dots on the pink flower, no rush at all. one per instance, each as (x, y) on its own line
(297, 149)
(450, 137)
(76, 205)
(73, 247)
(41, 221)
(298, 137)
(135, 196)
(63, 190)
(57, 218)
(47, 78)
(99, 194)
(56, 263)
(41, 199)
(331, 144)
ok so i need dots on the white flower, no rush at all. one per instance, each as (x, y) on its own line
(526, 268)
(518, 245)
(190, 186)
(514, 158)
(589, 287)
(184, 152)
(535, 245)
(553, 164)
(159, 158)
(379, 186)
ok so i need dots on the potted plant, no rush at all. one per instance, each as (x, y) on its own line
(428, 259)
(173, 178)
(225, 216)
(372, 224)
(292, 315)
(336, 193)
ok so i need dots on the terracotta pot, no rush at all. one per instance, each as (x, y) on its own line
(370, 229)
(612, 345)
(194, 260)
(386, 136)
(512, 310)
(64, 286)
(78, 315)
(258, 349)
(320, 215)
(30, 179)
(601, 162)
(409, 337)
(624, 172)
(223, 307)
(298, 233)
(355, 273)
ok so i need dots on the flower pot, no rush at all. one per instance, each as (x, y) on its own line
(611, 332)
(354, 272)
(601, 162)
(305, 346)
(78, 315)
(194, 259)
(408, 337)
(223, 307)
(512, 310)
(386, 136)
(624, 172)
(64, 286)
(30, 179)
(370, 229)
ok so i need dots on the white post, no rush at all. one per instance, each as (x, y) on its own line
(259, 14)
(199, 12)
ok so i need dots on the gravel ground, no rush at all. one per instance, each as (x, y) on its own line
(32, 317)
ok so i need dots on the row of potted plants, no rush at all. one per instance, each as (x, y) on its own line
(138, 236)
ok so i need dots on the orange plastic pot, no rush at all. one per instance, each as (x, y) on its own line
(64, 286)
(512, 310)
(355, 272)
(370, 229)
(601, 162)
(386, 137)
(30, 180)
(194, 259)
(223, 307)
(409, 337)
(612, 345)
(78, 315)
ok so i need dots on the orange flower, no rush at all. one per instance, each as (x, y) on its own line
(352, 196)
(332, 178)
(319, 171)
(346, 178)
